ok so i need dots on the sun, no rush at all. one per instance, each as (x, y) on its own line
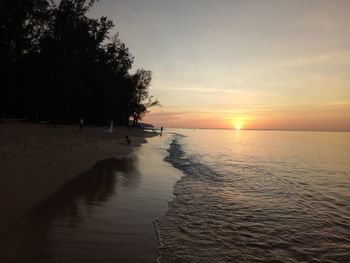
(238, 126)
(237, 123)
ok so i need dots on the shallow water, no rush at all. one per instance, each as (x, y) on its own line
(258, 196)
(104, 215)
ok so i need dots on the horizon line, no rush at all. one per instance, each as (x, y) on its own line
(233, 129)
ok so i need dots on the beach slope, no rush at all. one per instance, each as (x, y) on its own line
(36, 160)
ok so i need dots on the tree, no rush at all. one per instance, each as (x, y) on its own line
(142, 101)
(71, 52)
(60, 64)
(22, 24)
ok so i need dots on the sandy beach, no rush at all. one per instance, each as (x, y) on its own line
(36, 160)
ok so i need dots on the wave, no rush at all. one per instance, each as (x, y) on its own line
(180, 226)
(240, 214)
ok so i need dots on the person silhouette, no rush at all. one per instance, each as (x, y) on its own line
(127, 140)
(81, 122)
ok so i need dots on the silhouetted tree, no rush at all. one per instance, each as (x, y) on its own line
(59, 64)
(141, 100)
(22, 24)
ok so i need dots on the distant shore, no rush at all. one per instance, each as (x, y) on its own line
(36, 160)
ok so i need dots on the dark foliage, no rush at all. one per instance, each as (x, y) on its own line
(58, 64)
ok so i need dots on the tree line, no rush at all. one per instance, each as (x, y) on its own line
(57, 63)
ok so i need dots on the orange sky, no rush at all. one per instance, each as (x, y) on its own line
(271, 64)
(331, 118)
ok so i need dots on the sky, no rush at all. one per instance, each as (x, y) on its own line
(250, 64)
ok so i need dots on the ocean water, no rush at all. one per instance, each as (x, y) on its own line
(258, 196)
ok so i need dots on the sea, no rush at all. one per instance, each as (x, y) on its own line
(258, 196)
(199, 196)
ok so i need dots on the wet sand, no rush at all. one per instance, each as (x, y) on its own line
(105, 214)
(36, 160)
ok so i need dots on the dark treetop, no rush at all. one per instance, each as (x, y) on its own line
(58, 64)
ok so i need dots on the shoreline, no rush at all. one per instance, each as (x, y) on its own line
(113, 204)
(37, 161)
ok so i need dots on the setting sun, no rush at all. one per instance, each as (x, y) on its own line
(237, 123)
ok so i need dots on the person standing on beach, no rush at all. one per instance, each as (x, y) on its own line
(161, 130)
(111, 126)
(81, 121)
(53, 123)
